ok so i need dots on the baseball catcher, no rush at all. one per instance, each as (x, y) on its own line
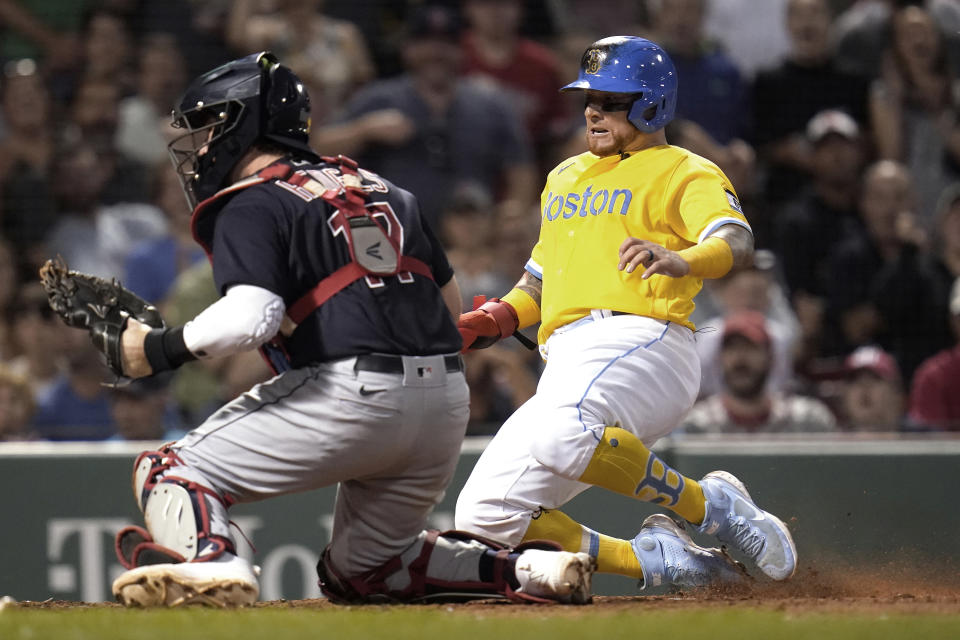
(330, 271)
(100, 306)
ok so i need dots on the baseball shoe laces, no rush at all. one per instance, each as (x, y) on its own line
(668, 556)
(555, 575)
(734, 519)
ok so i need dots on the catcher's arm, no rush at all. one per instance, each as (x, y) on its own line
(102, 307)
(243, 319)
(498, 318)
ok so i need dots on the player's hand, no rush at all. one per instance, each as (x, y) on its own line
(635, 252)
(134, 358)
(491, 321)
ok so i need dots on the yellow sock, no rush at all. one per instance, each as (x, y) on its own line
(621, 463)
(613, 555)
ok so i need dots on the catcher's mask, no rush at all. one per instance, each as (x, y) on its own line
(628, 64)
(226, 110)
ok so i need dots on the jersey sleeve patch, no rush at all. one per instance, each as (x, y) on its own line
(734, 203)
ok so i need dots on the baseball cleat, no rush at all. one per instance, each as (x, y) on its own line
(225, 584)
(734, 519)
(556, 575)
(668, 556)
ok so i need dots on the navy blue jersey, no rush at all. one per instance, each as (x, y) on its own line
(272, 236)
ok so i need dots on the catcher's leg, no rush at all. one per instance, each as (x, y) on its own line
(455, 565)
(185, 555)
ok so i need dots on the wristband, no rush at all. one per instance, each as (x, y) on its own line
(165, 349)
(712, 258)
(528, 311)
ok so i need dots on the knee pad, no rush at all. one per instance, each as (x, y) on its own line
(437, 567)
(176, 513)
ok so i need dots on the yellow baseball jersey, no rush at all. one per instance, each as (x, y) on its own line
(590, 205)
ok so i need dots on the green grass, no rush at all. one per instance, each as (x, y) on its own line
(398, 623)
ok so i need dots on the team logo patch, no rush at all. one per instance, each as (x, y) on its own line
(734, 203)
(594, 57)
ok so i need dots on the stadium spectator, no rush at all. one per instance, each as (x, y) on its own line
(787, 96)
(76, 406)
(329, 55)
(872, 398)
(912, 292)
(16, 407)
(711, 92)
(914, 104)
(822, 215)
(143, 127)
(887, 208)
(752, 33)
(745, 404)
(39, 30)
(527, 71)
(93, 237)
(467, 230)
(935, 394)
(862, 32)
(39, 337)
(152, 266)
(429, 129)
(755, 289)
(27, 207)
(142, 410)
(108, 51)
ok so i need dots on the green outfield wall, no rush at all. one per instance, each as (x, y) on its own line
(850, 501)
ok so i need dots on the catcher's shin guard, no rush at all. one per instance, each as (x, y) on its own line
(177, 512)
(453, 565)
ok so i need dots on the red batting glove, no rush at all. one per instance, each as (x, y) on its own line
(488, 322)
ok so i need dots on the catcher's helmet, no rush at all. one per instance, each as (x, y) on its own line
(628, 64)
(226, 110)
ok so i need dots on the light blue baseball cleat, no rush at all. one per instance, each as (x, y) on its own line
(668, 556)
(734, 519)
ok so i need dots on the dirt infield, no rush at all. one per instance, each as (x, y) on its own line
(889, 590)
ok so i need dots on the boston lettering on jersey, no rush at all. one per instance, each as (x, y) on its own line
(587, 202)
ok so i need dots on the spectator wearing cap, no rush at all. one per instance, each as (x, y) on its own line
(430, 129)
(756, 288)
(787, 96)
(872, 398)
(745, 404)
(822, 215)
(935, 394)
(142, 410)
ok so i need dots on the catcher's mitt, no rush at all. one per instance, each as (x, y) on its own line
(97, 305)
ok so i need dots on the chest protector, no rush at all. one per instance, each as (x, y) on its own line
(374, 252)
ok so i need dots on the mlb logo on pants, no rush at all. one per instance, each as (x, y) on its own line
(425, 372)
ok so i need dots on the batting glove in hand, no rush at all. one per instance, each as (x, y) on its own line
(100, 306)
(490, 321)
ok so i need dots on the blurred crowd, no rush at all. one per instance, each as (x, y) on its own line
(836, 121)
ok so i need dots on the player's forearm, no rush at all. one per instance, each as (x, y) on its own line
(741, 244)
(524, 299)
(531, 285)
